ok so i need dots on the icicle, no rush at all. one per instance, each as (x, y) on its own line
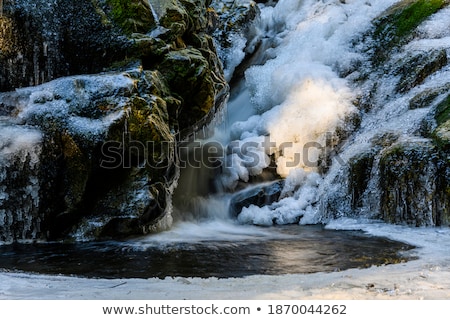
(155, 15)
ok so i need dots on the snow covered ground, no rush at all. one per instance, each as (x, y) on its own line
(425, 278)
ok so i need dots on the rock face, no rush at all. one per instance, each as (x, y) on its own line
(94, 156)
(402, 177)
(41, 41)
(414, 185)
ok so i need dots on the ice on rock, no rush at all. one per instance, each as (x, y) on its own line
(20, 150)
(307, 92)
(70, 104)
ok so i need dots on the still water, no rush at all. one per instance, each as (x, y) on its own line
(288, 250)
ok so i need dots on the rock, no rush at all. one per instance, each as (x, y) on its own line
(103, 162)
(260, 196)
(131, 15)
(414, 184)
(233, 30)
(188, 71)
(416, 68)
(394, 27)
(360, 170)
(20, 150)
(41, 41)
(106, 153)
(426, 98)
(441, 133)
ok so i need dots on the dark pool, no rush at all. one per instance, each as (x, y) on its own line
(304, 249)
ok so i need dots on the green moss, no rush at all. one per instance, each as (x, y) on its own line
(404, 17)
(132, 15)
(415, 14)
(442, 114)
(400, 21)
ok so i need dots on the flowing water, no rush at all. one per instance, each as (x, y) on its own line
(295, 96)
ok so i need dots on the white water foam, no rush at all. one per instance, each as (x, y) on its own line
(299, 96)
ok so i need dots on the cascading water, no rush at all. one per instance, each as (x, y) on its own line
(298, 111)
(299, 117)
(303, 108)
(19, 179)
(292, 97)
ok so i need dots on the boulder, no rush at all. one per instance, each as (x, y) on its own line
(260, 195)
(414, 184)
(93, 156)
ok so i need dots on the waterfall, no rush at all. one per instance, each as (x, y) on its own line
(19, 182)
(347, 135)
(303, 107)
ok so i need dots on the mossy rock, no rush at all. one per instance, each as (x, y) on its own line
(188, 71)
(410, 184)
(441, 134)
(426, 98)
(173, 16)
(132, 15)
(442, 113)
(414, 70)
(398, 22)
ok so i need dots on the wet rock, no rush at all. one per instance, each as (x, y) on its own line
(131, 15)
(413, 184)
(188, 71)
(396, 26)
(260, 196)
(415, 69)
(236, 36)
(426, 98)
(360, 170)
(41, 41)
(441, 133)
(107, 155)
(20, 151)
(105, 165)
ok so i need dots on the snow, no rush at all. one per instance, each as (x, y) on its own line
(15, 138)
(425, 278)
(314, 36)
(70, 99)
(298, 96)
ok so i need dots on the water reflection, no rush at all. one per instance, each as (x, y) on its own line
(294, 249)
